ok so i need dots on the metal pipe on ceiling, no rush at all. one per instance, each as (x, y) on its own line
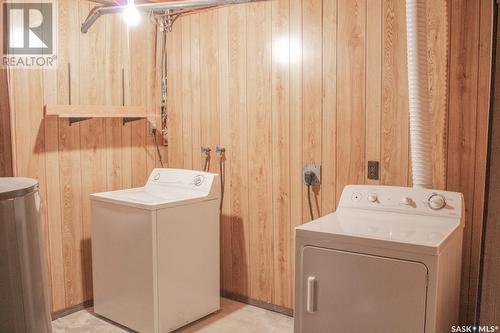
(174, 6)
(105, 2)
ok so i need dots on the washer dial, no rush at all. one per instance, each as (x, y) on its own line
(198, 180)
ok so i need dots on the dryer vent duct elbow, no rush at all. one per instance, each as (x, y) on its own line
(418, 92)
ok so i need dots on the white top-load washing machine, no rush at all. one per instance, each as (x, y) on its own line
(388, 260)
(155, 251)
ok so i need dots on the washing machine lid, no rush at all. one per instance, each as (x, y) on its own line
(387, 222)
(165, 188)
(14, 187)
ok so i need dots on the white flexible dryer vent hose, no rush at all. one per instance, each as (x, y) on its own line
(418, 86)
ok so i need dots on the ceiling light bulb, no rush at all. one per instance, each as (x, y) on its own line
(131, 15)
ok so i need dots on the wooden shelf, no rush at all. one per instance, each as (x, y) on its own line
(77, 113)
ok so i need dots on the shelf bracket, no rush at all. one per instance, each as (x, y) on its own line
(129, 119)
(77, 120)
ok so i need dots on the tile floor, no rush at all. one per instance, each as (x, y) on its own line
(233, 317)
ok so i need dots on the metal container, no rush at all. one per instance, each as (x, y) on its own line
(24, 305)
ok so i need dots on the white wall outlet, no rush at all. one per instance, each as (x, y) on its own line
(152, 127)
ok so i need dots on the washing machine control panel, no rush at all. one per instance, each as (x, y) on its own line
(403, 199)
(181, 179)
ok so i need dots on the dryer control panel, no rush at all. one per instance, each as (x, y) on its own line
(403, 199)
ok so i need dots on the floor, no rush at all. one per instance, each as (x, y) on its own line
(233, 317)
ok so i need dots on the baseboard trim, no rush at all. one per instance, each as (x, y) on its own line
(260, 304)
(72, 309)
(227, 294)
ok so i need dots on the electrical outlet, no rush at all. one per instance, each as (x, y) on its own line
(152, 127)
(373, 170)
(316, 170)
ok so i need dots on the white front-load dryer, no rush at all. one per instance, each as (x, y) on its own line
(388, 260)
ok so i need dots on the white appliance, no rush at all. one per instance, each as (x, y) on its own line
(24, 299)
(155, 251)
(388, 260)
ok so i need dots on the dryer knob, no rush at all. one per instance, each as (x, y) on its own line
(406, 201)
(372, 197)
(436, 202)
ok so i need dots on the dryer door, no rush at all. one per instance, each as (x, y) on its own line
(351, 293)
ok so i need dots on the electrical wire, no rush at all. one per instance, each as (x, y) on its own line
(164, 23)
(164, 85)
(309, 201)
(158, 149)
(222, 161)
(206, 167)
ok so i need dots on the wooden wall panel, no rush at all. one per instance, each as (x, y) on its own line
(280, 133)
(113, 63)
(126, 136)
(481, 150)
(70, 162)
(296, 112)
(195, 102)
(225, 119)
(238, 152)
(394, 128)
(338, 97)
(351, 76)
(174, 99)
(138, 66)
(55, 258)
(329, 115)
(259, 150)
(490, 283)
(373, 82)
(5, 121)
(462, 124)
(468, 125)
(71, 199)
(312, 53)
(69, 158)
(438, 61)
(279, 85)
(92, 133)
(187, 95)
(209, 83)
(5, 138)
(151, 97)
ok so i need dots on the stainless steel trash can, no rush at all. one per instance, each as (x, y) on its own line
(24, 305)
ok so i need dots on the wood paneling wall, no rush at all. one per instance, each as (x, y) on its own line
(279, 84)
(468, 118)
(286, 83)
(101, 154)
(5, 143)
(490, 283)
